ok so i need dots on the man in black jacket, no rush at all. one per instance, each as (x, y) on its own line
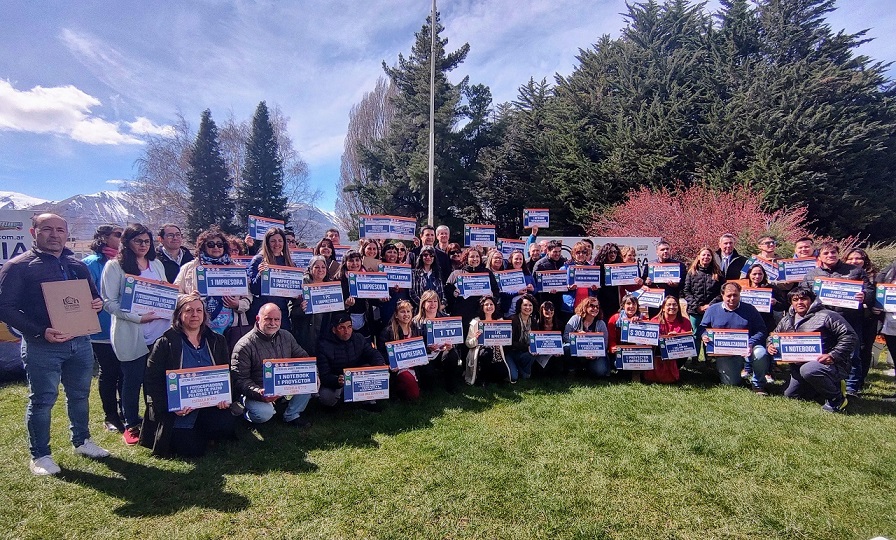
(171, 252)
(428, 238)
(340, 349)
(822, 377)
(729, 260)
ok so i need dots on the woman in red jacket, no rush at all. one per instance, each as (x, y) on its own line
(671, 322)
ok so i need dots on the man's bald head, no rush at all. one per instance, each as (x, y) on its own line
(268, 319)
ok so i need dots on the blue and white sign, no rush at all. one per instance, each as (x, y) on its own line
(445, 331)
(650, 297)
(222, 281)
(587, 344)
(796, 347)
(545, 342)
(511, 281)
(479, 235)
(368, 285)
(634, 358)
(282, 281)
(795, 269)
(673, 347)
(536, 217)
(241, 260)
(838, 292)
(621, 274)
(728, 342)
(387, 227)
(258, 226)
(197, 388)
(323, 297)
(407, 353)
(495, 333)
(141, 296)
(301, 257)
(641, 332)
(398, 275)
(759, 298)
(552, 281)
(366, 384)
(471, 285)
(885, 297)
(508, 245)
(583, 276)
(664, 272)
(290, 376)
(340, 251)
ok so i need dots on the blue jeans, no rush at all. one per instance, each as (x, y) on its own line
(599, 366)
(857, 372)
(259, 412)
(729, 368)
(520, 363)
(131, 383)
(46, 365)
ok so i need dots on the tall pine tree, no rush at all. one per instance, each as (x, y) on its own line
(261, 191)
(208, 182)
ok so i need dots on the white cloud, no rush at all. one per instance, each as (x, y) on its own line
(117, 182)
(145, 126)
(62, 110)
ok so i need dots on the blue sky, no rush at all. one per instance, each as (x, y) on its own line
(81, 83)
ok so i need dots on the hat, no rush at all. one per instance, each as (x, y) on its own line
(341, 317)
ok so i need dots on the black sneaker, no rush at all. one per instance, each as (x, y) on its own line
(237, 409)
(299, 423)
(836, 406)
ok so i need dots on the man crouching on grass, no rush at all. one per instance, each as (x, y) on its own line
(341, 349)
(822, 377)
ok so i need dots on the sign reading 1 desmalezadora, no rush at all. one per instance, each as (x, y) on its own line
(290, 376)
(379, 227)
(885, 297)
(407, 353)
(323, 297)
(545, 342)
(641, 332)
(587, 344)
(673, 347)
(536, 217)
(366, 384)
(282, 281)
(398, 275)
(197, 388)
(634, 358)
(728, 342)
(479, 235)
(796, 347)
(141, 296)
(222, 281)
(368, 285)
(479, 284)
(258, 226)
(838, 292)
(445, 331)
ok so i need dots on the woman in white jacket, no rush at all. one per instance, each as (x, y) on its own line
(132, 334)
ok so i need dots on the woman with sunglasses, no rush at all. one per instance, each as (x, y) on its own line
(427, 276)
(226, 314)
(581, 252)
(587, 318)
(402, 252)
(132, 334)
(327, 250)
(273, 253)
(105, 246)
(672, 322)
(484, 364)
(454, 252)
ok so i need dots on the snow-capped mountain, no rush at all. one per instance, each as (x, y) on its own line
(10, 200)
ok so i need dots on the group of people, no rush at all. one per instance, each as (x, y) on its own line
(135, 351)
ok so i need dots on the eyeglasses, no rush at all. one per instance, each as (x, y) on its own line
(141, 241)
(116, 234)
(174, 235)
(593, 306)
(402, 250)
(291, 242)
(430, 255)
(212, 245)
(455, 254)
(772, 243)
(548, 309)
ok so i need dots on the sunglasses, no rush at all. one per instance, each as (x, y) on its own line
(548, 309)
(430, 255)
(402, 250)
(769, 243)
(212, 245)
(454, 253)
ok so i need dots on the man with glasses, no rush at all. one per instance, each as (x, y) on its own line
(664, 255)
(290, 238)
(171, 251)
(766, 245)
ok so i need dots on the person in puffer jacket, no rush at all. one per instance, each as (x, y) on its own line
(339, 349)
(821, 378)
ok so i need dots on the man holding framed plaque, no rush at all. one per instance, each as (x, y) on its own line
(50, 355)
(823, 376)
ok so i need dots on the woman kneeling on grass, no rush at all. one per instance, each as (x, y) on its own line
(671, 322)
(484, 363)
(399, 328)
(189, 343)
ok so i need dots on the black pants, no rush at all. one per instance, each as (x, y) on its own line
(212, 424)
(109, 382)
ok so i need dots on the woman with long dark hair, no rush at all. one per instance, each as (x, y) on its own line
(859, 258)
(457, 304)
(427, 276)
(671, 322)
(360, 309)
(484, 363)
(607, 295)
(327, 250)
(132, 334)
(273, 252)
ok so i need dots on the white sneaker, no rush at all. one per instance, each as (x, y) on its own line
(44, 466)
(91, 450)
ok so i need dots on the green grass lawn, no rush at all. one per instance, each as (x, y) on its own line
(542, 459)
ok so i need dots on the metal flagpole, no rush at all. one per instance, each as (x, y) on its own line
(432, 114)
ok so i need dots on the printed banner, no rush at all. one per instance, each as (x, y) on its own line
(728, 342)
(771, 267)
(398, 275)
(445, 330)
(838, 292)
(621, 274)
(474, 285)
(583, 276)
(885, 297)
(282, 281)
(387, 227)
(368, 285)
(323, 297)
(536, 217)
(664, 272)
(222, 281)
(340, 251)
(552, 281)
(761, 299)
(641, 332)
(795, 269)
(241, 260)
(508, 245)
(650, 297)
(542, 342)
(366, 384)
(495, 333)
(511, 281)
(301, 257)
(141, 295)
(479, 235)
(587, 344)
(634, 358)
(258, 226)
(407, 353)
(290, 376)
(673, 347)
(796, 347)
(197, 388)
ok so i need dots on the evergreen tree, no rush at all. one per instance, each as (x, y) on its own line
(261, 191)
(208, 182)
